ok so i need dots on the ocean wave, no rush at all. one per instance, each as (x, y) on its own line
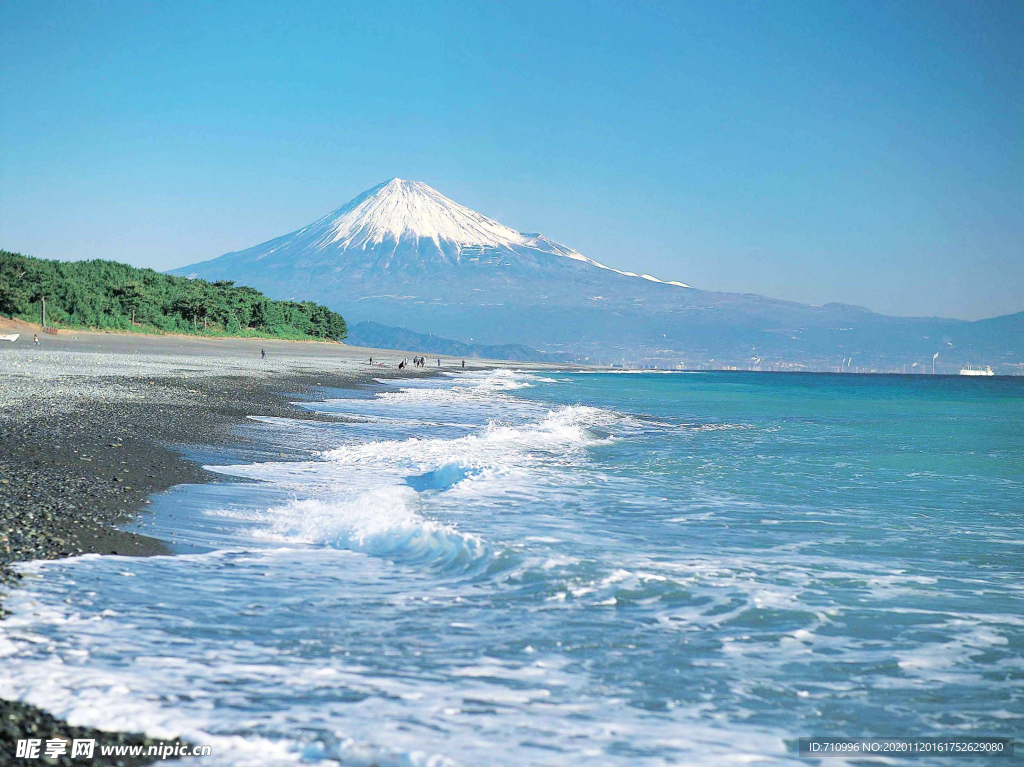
(481, 383)
(603, 371)
(501, 379)
(463, 400)
(383, 522)
(396, 477)
(499, 445)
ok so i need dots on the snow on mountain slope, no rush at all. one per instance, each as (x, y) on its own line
(407, 226)
(411, 208)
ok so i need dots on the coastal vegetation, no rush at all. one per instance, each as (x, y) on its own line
(112, 296)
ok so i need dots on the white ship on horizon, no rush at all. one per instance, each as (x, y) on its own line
(971, 370)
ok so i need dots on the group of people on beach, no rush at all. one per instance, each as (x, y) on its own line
(419, 362)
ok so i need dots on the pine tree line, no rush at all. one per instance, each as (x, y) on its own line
(112, 296)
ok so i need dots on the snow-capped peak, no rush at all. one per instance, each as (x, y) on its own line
(399, 212)
(401, 208)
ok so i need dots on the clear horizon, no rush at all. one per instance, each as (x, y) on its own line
(862, 154)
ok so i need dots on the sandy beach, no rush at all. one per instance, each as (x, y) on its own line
(90, 423)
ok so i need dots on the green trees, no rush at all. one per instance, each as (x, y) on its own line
(109, 295)
(193, 304)
(131, 297)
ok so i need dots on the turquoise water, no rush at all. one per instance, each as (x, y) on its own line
(550, 569)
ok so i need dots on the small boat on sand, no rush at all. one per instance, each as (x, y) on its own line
(12, 337)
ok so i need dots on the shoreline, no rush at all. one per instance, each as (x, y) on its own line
(90, 423)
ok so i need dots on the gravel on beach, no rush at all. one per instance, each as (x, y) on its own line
(88, 428)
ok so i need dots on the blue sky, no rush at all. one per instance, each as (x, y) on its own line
(864, 152)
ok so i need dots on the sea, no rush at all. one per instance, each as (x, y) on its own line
(513, 568)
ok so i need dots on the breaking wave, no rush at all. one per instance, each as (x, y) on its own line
(498, 443)
(383, 522)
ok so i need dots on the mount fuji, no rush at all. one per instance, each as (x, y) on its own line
(404, 254)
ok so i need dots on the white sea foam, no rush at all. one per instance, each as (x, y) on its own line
(366, 496)
(498, 444)
(217, 680)
(468, 400)
(384, 517)
(536, 584)
(383, 522)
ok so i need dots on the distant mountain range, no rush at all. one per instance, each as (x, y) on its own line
(387, 337)
(403, 254)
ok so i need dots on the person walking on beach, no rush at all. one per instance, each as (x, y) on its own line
(401, 365)
(439, 362)
(463, 364)
(263, 354)
(35, 339)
